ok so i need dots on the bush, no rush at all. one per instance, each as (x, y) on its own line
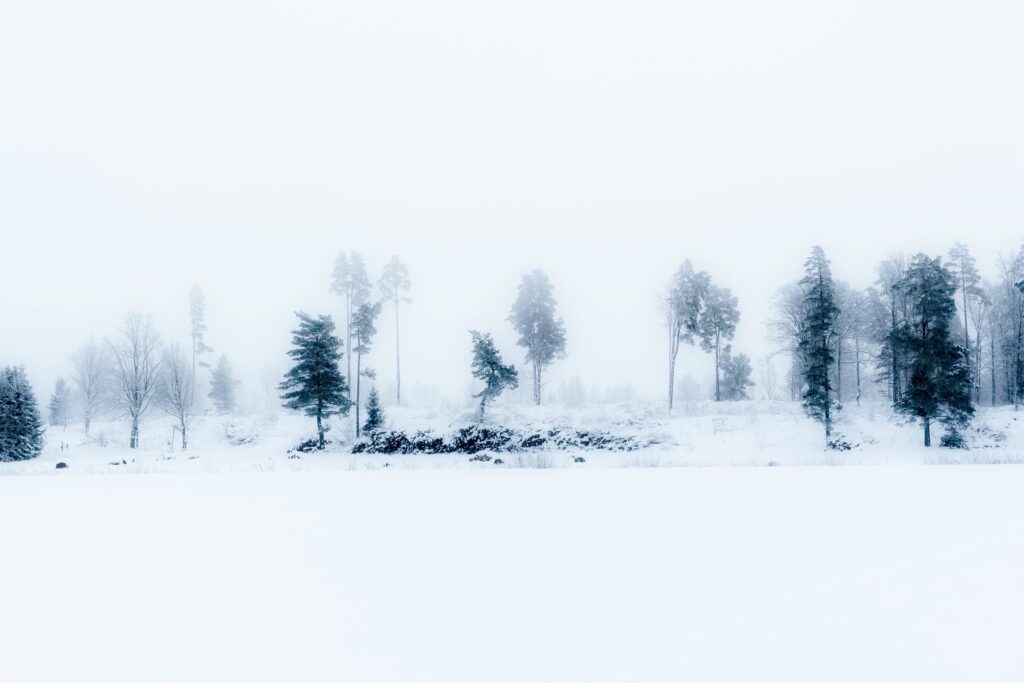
(953, 439)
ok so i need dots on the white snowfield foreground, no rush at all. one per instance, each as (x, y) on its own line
(786, 574)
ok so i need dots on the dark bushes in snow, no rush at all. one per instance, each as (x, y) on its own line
(477, 439)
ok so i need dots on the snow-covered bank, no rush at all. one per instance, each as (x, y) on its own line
(700, 434)
(740, 574)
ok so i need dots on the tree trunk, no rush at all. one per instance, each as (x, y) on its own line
(857, 365)
(892, 350)
(359, 376)
(321, 442)
(398, 358)
(992, 345)
(536, 382)
(134, 442)
(967, 334)
(839, 370)
(671, 368)
(927, 433)
(718, 384)
(348, 335)
(184, 436)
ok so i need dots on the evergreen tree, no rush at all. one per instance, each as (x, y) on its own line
(939, 388)
(222, 387)
(540, 332)
(374, 413)
(315, 384)
(736, 371)
(393, 281)
(363, 330)
(350, 281)
(816, 338)
(683, 303)
(21, 428)
(717, 325)
(489, 368)
(197, 320)
(60, 405)
(965, 274)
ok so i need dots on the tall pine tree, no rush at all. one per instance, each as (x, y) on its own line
(540, 332)
(222, 387)
(939, 386)
(683, 303)
(315, 384)
(717, 326)
(363, 331)
(816, 334)
(393, 282)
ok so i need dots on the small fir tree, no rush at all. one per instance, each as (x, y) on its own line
(21, 428)
(222, 387)
(315, 384)
(489, 368)
(60, 405)
(374, 413)
(736, 371)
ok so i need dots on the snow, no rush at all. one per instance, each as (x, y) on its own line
(893, 573)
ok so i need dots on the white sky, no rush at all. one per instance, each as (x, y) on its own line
(144, 146)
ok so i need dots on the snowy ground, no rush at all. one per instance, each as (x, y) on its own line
(710, 574)
(701, 434)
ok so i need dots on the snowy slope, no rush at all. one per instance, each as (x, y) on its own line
(794, 575)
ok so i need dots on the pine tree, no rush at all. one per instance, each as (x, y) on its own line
(21, 428)
(683, 303)
(540, 332)
(197, 320)
(315, 384)
(939, 388)
(489, 368)
(393, 281)
(363, 331)
(374, 413)
(965, 274)
(718, 321)
(816, 338)
(222, 387)
(350, 281)
(60, 405)
(736, 371)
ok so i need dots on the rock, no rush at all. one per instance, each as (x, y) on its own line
(62, 466)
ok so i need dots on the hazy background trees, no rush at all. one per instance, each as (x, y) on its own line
(178, 390)
(540, 332)
(136, 353)
(393, 282)
(682, 305)
(93, 375)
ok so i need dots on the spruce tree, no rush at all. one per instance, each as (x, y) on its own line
(21, 428)
(968, 282)
(717, 325)
(736, 371)
(489, 368)
(374, 413)
(60, 405)
(816, 337)
(939, 386)
(540, 332)
(222, 387)
(315, 384)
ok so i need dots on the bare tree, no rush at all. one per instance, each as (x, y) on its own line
(785, 330)
(136, 355)
(91, 378)
(177, 390)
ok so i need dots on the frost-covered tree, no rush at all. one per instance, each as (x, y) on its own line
(363, 330)
(786, 330)
(962, 266)
(60, 405)
(315, 384)
(939, 387)
(682, 304)
(350, 281)
(540, 332)
(374, 413)
(736, 371)
(92, 380)
(890, 364)
(197, 320)
(393, 282)
(717, 327)
(222, 387)
(21, 428)
(136, 353)
(489, 369)
(816, 338)
(177, 390)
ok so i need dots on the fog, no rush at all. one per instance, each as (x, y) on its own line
(240, 146)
